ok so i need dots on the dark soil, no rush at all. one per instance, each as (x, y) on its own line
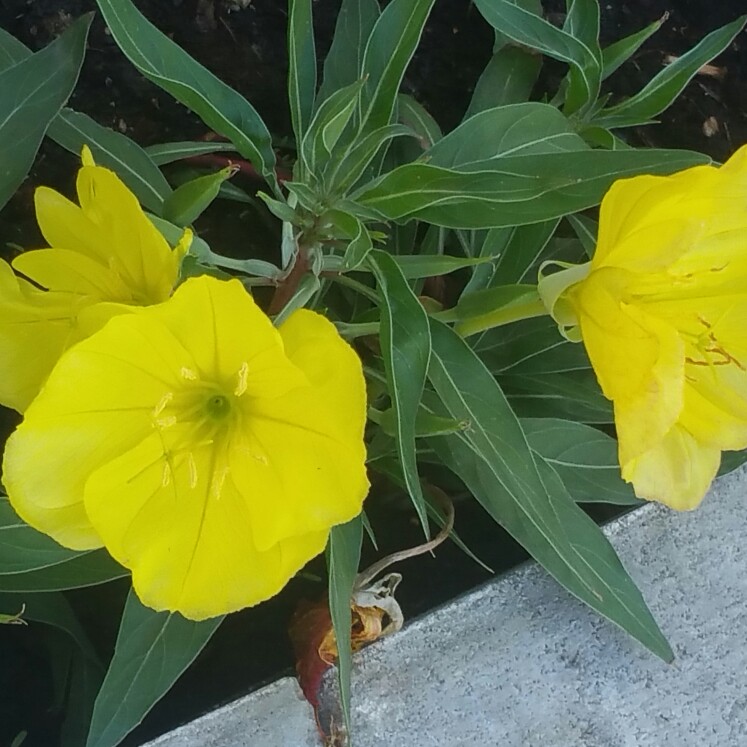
(246, 48)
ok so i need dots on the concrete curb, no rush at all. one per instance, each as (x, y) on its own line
(521, 663)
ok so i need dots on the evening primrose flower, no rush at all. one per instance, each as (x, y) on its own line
(208, 451)
(661, 309)
(104, 252)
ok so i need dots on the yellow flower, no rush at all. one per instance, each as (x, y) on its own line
(209, 452)
(662, 314)
(105, 253)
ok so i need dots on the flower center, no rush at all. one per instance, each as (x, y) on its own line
(217, 406)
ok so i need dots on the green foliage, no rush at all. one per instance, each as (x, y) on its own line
(32, 93)
(343, 557)
(152, 651)
(421, 245)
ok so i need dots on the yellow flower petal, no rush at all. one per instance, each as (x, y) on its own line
(662, 315)
(35, 327)
(104, 256)
(111, 229)
(188, 541)
(98, 402)
(677, 472)
(638, 360)
(72, 272)
(306, 448)
(209, 452)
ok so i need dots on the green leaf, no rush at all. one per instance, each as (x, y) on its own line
(343, 557)
(584, 458)
(81, 674)
(524, 253)
(73, 130)
(152, 651)
(570, 396)
(528, 128)
(665, 87)
(528, 29)
(406, 348)
(414, 115)
(582, 23)
(416, 266)
(87, 569)
(190, 199)
(32, 93)
(167, 65)
(30, 561)
(512, 190)
(390, 48)
(12, 51)
(529, 348)
(586, 229)
(328, 125)
(345, 172)
(358, 248)
(125, 157)
(51, 609)
(426, 424)
(23, 549)
(344, 62)
(301, 65)
(527, 497)
(508, 78)
(731, 460)
(622, 50)
(164, 153)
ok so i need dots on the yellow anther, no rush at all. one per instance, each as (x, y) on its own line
(163, 403)
(192, 470)
(243, 377)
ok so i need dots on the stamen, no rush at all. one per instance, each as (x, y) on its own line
(216, 487)
(164, 401)
(192, 470)
(166, 477)
(243, 377)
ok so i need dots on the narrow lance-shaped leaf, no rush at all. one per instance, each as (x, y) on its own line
(190, 199)
(390, 48)
(73, 130)
(513, 190)
(665, 87)
(163, 153)
(301, 65)
(152, 651)
(517, 129)
(582, 23)
(524, 27)
(344, 61)
(167, 65)
(417, 118)
(508, 78)
(524, 494)
(32, 93)
(343, 557)
(619, 52)
(406, 347)
(584, 458)
(328, 124)
(30, 561)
